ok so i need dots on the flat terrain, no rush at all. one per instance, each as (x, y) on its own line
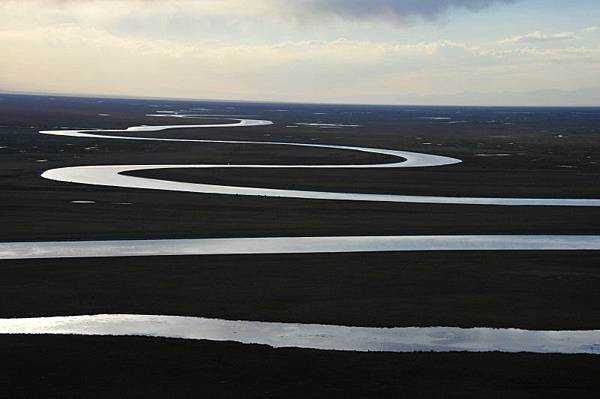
(540, 291)
(109, 367)
(506, 152)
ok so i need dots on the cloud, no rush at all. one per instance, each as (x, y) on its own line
(399, 11)
(267, 50)
(590, 29)
(539, 37)
(76, 59)
(232, 21)
(396, 11)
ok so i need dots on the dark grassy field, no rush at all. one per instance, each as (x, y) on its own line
(115, 367)
(551, 153)
(539, 291)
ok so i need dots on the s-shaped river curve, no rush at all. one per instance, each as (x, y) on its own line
(112, 175)
(439, 339)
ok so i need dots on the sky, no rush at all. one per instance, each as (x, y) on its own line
(470, 52)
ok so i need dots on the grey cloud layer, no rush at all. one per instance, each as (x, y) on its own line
(391, 10)
(399, 10)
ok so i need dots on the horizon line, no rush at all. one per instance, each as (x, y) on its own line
(183, 99)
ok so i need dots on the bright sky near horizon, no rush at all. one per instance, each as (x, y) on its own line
(525, 52)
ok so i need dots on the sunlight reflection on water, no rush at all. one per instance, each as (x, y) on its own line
(313, 336)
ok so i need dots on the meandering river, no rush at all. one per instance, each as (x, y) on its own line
(440, 339)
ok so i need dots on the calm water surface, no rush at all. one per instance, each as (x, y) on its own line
(313, 336)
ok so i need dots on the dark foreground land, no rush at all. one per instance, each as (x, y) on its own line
(116, 367)
(545, 153)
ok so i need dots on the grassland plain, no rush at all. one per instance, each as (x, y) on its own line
(544, 153)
